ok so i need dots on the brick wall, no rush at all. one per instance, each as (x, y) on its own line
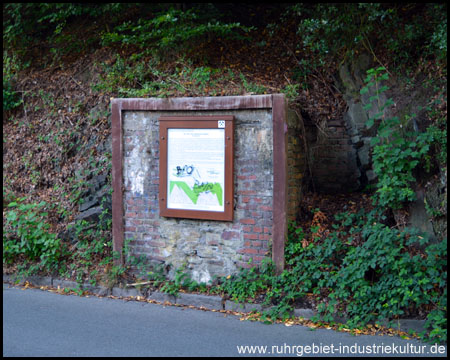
(296, 164)
(334, 166)
(207, 248)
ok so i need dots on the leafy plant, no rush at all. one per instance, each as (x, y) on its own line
(341, 31)
(250, 87)
(172, 29)
(382, 276)
(26, 24)
(26, 233)
(397, 151)
(181, 280)
(248, 282)
(11, 98)
(291, 91)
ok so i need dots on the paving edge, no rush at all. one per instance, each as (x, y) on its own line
(200, 301)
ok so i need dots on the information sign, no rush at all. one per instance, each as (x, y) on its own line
(196, 167)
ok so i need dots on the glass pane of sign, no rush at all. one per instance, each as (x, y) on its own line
(196, 169)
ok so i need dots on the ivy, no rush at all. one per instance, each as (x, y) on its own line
(397, 151)
(383, 277)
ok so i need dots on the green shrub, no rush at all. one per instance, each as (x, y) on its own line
(380, 278)
(26, 233)
(181, 280)
(245, 285)
(27, 24)
(142, 78)
(366, 272)
(172, 29)
(397, 151)
(11, 98)
(383, 278)
(340, 31)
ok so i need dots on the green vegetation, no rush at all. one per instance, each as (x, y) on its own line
(11, 98)
(368, 271)
(26, 234)
(62, 59)
(398, 148)
(173, 30)
(28, 25)
(344, 30)
(363, 270)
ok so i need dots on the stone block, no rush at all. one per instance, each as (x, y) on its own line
(34, 280)
(88, 202)
(200, 300)
(92, 214)
(161, 297)
(242, 307)
(304, 313)
(125, 292)
(406, 325)
(65, 284)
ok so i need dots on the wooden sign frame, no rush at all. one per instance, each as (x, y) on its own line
(190, 133)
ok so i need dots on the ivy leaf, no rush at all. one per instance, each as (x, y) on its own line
(12, 216)
(385, 132)
(364, 90)
(379, 115)
(367, 106)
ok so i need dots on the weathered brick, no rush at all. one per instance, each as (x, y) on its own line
(247, 192)
(256, 214)
(265, 208)
(248, 251)
(256, 244)
(251, 236)
(247, 221)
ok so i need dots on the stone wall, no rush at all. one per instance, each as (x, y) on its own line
(296, 159)
(206, 248)
(339, 149)
(333, 162)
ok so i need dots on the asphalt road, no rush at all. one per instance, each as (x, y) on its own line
(41, 323)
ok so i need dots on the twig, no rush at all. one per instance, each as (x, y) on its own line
(369, 48)
(78, 85)
(177, 83)
(138, 284)
(24, 106)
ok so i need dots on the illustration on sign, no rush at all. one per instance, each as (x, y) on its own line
(195, 169)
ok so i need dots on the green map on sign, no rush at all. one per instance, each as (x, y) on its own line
(194, 193)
